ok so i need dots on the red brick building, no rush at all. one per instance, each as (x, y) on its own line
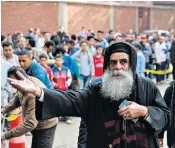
(48, 16)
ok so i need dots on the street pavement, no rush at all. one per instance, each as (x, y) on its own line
(66, 135)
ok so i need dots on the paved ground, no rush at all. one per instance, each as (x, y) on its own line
(66, 135)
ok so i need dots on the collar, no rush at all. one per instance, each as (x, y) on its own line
(29, 70)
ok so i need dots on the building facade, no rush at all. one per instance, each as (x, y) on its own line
(48, 16)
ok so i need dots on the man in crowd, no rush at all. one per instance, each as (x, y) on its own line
(85, 60)
(43, 131)
(21, 45)
(61, 33)
(30, 42)
(62, 79)
(146, 49)
(16, 37)
(47, 36)
(47, 49)
(71, 47)
(31, 32)
(43, 63)
(6, 89)
(101, 40)
(91, 43)
(160, 55)
(33, 68)
(122, 110)
(3, 38)
(74, 38)
(83, 32)
(98, 61)
(70, 63)
(172, 56)
(169, 98)
(141, 62)
(9, 55)
(111, 35)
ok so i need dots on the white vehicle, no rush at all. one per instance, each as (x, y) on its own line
(159, 32)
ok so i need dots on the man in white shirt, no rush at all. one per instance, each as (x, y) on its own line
(8, 54)
(160, 55)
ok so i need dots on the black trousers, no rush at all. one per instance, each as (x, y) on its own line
(82, 138)
(161, 66)
(43, 138)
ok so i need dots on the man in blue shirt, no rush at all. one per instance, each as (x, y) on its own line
(72, 49)
(33, 68)
(102, 40)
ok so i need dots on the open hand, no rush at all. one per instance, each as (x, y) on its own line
(24, 84)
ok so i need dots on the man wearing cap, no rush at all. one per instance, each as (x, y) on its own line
(121, 111)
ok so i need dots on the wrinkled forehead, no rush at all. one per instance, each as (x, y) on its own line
(119, 55)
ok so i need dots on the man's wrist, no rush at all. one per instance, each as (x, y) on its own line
(37, 92)
(144, 111)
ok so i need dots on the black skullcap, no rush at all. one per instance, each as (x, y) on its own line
(119, 48)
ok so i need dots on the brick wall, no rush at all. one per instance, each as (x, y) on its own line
(125, 18)
(163, 19)
(90, 16)
(23, 15)
(44, 15)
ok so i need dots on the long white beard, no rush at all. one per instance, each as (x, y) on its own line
(117, 88)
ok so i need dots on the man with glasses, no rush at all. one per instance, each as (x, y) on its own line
(123, 110)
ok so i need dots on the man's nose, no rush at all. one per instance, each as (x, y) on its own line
(118, 66)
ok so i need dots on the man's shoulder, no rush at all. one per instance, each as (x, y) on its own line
(37, 67)
(147, 82)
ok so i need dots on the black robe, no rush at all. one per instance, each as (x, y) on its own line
(88, 104)
(169, 98)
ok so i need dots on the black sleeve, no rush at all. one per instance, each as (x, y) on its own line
(167, 98)
(66, 103)
(168, 95)
(159, 114)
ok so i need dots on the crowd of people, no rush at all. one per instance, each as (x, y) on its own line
(64, 62)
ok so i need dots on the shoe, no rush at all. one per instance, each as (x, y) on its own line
(61, 119)
(69, 121)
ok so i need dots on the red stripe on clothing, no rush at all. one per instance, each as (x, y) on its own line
(110, 123)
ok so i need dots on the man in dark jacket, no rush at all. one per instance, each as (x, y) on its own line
(123, 110)
(172, 56)
(169, 98)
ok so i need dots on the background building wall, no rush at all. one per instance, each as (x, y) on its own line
(23, 15)
(90, 16)
(48, 16)
(163, 19)
(125, 18)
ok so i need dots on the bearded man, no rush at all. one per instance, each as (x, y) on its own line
(135, 124)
